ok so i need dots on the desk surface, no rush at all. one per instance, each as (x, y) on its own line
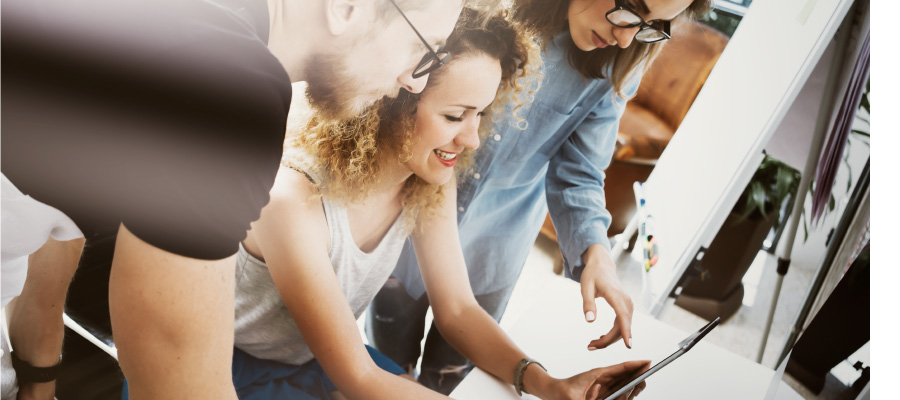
(554, 332)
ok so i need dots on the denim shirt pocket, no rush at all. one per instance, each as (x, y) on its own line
(530, 150)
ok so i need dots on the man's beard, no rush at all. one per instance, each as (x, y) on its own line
(331, 90)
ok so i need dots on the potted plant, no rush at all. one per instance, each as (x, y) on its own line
(717, 290)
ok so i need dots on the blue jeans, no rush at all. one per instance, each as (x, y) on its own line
(257, 379)
(395, 325)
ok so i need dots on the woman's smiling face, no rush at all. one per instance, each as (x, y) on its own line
(591, 30)
(449, 113)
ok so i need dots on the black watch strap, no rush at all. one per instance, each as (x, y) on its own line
(26, 372)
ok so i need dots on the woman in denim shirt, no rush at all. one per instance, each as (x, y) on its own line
(594, 52)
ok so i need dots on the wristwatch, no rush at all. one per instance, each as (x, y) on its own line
(520, 373)
(26, 372)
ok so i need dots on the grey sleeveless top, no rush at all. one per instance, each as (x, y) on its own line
(263, 326)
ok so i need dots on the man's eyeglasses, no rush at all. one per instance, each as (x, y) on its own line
(625, 17)
(433, 59)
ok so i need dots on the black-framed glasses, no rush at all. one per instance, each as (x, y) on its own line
(625, 17)
(433, 59)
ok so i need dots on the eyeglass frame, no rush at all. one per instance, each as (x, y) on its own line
(620, 6)
(431, 56)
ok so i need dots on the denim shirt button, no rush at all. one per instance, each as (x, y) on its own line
(497, 138)
(461, 209)
(477, 176)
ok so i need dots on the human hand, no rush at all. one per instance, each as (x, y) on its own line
(599, 280)
(600, 382)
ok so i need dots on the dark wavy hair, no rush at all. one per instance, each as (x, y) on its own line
(550, 17)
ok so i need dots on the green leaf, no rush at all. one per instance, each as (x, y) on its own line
(849, 173)
(864, 103)
(758, 196)
(748, 204)
(805, 230)
(831, 203)
(783, 185)
(861, 133)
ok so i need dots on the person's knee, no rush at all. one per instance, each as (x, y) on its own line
(454, 370)
(445, 378)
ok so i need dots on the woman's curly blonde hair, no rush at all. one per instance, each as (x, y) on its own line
(349, 155)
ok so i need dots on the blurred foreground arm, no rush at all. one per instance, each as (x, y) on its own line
(173, 321)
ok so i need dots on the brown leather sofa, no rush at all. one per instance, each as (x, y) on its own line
(651, 118)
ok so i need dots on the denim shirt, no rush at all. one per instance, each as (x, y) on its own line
(557, 161)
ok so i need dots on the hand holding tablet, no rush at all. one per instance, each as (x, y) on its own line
(683, 347)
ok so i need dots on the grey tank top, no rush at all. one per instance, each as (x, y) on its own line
(263, 326)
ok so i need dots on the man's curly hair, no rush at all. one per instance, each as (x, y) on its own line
(350, 154)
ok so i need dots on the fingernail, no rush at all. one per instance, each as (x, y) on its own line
(592, 348)
(589, 316)
(630, 342)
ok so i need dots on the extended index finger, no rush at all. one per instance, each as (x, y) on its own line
(624, 312)
(625, 320)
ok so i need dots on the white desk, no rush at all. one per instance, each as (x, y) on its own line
(554, 332)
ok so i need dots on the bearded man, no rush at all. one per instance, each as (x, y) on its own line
(162, 122)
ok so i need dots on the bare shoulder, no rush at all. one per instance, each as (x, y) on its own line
(294, 207)
(293, 186)
(292, 230)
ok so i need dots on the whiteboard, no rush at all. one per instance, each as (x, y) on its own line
(720, 143)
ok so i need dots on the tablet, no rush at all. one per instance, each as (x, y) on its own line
(683, 347)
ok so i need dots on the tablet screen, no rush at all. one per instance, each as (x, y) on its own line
(683, 347)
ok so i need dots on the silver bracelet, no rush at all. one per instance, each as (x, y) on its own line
(520, 373)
